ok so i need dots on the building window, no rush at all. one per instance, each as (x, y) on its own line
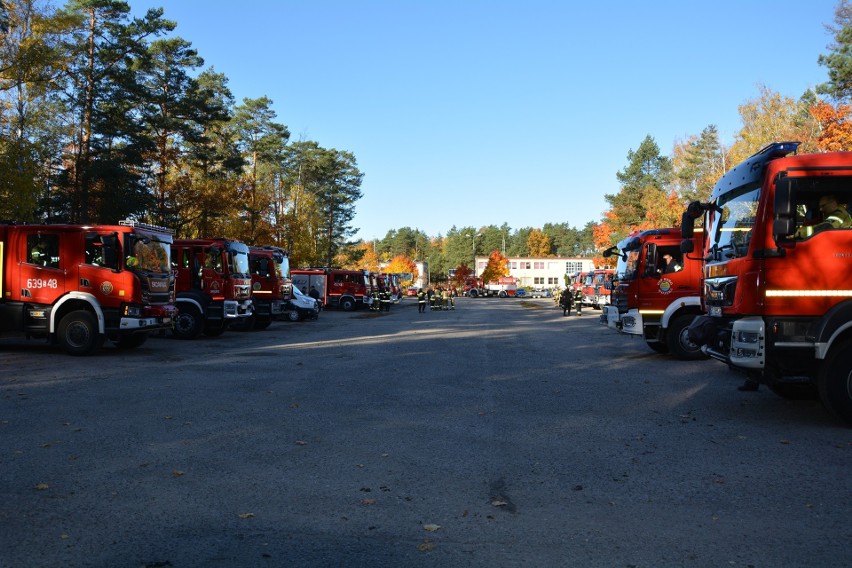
(538, 266)
(551, 280)
(513, 265)
(538, 280)
(525, 265)
(573, 266)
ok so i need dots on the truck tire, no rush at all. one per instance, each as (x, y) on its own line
(293, 315)
(77, 333)
(347, 304)
(679, 344)
(502, 294)
(835, 381)
(473, 293)
(188, 323)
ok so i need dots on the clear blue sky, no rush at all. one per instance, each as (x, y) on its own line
(472, 113)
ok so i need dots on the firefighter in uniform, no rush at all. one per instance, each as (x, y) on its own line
(385, 300)
(578, 301)
(446, 299)
(565, 301)
(421, 301)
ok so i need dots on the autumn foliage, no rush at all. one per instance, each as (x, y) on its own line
(401, 265)
(835, 127)
(462, 273)
(497, 267)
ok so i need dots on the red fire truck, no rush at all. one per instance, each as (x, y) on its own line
(501, 288)
(594, 288)
(338, 288)
(653, 302)
(80, 285)
(777, 273)
(212, 285)
(271, 287)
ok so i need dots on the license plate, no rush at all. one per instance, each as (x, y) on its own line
(716, 311)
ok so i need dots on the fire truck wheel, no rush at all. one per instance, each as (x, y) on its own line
(679, 344)
(78, 333)
(347, 304)
(187, 323)
(293, 315)
(835, 381)
(502, 294)
(131, 340)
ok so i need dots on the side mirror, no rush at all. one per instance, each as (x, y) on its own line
(110, 250)
(783, 227)
(785, 217)
(687, 246)
(783, 198)
(609, 252)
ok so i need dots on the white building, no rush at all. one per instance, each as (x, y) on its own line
(547, 272)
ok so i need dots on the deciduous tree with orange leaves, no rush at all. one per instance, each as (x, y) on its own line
(538, 243)
(462, 273)
(403, 265)
(835, 127)
(497, 267)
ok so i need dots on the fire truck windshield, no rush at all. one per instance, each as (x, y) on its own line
(239, 263)
(626, 267)
(147, 254)
(730, 223)
(282, 266)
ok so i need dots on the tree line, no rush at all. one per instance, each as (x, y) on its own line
(103, 117)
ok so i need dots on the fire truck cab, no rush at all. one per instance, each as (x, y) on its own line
(777, 273)
(271, 288)
(651, 299)
(212, 285)
(79, 285)
(338, 288)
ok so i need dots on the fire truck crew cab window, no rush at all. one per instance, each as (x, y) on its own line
(94, 250)
(44, 250)
(825, 209)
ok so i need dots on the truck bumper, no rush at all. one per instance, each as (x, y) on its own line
(237, 309)
(629, 322)
(744, 347)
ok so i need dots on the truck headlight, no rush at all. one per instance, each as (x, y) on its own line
(746, 337)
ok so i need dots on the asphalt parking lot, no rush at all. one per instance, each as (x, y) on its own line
(498, 434)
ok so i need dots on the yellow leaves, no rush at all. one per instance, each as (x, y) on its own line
(431, 527)
(246, 515)
(539, 243)
(177, 473)
(41, 487)
(426, 546)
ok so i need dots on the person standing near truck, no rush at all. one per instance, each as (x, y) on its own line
(565, 301)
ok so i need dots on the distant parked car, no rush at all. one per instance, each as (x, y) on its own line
(520, 293)
(541, 293)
